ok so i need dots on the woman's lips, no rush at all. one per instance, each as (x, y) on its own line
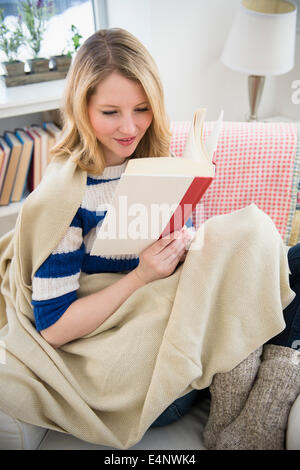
(126, 142)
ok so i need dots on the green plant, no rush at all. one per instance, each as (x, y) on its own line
(35, 15)
(75, 40)
(10, 41)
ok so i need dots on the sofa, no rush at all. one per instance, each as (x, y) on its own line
(255, 162)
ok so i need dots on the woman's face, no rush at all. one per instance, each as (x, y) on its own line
(120, 114)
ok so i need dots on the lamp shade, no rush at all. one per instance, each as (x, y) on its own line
(262, 38)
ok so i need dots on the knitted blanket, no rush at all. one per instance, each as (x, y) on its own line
(169, 337)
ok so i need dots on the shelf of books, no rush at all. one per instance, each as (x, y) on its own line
(24, 156)
(28, 99)
(24, 152)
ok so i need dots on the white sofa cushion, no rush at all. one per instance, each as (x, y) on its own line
(16, 435)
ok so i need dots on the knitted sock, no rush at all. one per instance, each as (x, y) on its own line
(229, 392)
(262, 423)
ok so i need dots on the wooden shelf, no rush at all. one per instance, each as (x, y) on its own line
(33, 98)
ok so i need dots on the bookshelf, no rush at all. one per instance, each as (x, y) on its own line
(19, 101)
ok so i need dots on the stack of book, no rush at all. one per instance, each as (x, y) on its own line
(24, 156)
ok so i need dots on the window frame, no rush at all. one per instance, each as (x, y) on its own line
(100, 14)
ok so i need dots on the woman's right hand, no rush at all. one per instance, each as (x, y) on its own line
(160, 259)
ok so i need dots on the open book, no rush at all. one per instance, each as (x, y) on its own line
(156, 196)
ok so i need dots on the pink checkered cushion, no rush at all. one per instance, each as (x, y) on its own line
(255, 162)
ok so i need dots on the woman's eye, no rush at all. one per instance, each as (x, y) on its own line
(142, 110)
(111, 113)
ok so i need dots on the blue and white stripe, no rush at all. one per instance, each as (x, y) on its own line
(56, 282)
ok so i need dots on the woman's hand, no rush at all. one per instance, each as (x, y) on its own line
(191, 234)
(160, 259)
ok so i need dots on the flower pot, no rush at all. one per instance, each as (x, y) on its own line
(14, 69)
(35, 71)
(39, 65)
(61, 63)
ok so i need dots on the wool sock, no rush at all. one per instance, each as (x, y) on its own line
(229, 392)
(262, 423)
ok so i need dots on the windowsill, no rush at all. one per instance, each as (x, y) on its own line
(28, 99)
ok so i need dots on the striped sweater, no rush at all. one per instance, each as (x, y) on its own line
(55, 283)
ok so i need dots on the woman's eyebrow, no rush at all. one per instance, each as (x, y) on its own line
(114, 106)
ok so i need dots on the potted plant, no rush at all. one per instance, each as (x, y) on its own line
(63, 61)
(35, 15)
(10, 42)
(60, 63)
(75, 40)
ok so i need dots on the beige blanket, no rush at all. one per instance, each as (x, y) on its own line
(168, 338)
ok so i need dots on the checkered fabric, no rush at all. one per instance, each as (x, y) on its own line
(255, 162)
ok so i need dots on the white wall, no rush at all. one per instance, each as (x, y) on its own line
(186, 38)
(133, 15)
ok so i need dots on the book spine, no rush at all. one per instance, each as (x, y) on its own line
(25, 168)
(5, 163)
(10, 173)
(187, 205)
(13, 197)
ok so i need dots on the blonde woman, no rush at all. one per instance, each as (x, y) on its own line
(113, 111)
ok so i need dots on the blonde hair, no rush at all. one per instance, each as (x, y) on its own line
(105, 52)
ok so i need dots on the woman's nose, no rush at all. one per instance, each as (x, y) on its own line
(127, 126)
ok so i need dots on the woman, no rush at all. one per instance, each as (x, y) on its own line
(108, 118)
(118, 86)
(114, 110)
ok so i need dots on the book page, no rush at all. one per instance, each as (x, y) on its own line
(169, 166)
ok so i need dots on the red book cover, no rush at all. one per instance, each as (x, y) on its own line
(187, 205)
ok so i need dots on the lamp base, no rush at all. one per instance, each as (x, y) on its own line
(255, 89)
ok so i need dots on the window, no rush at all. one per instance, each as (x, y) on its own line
(57, 37)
